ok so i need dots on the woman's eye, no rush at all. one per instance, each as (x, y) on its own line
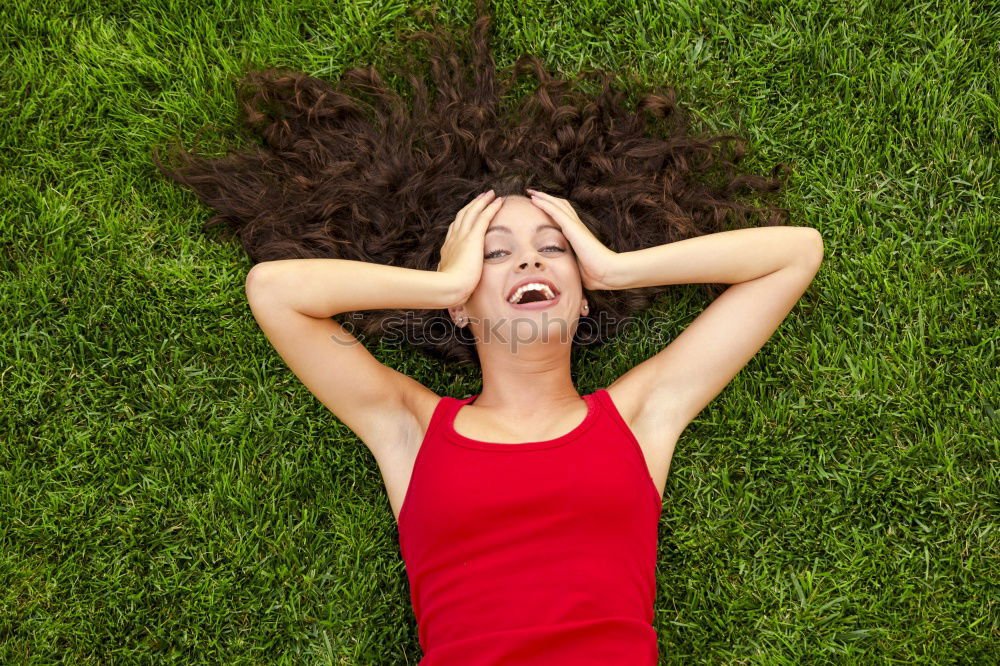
(549, 247)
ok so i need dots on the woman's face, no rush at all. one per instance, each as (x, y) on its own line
(524, 242)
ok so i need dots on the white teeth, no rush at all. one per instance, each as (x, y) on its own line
(516, 296)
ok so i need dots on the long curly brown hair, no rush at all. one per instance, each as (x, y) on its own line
(354, 171)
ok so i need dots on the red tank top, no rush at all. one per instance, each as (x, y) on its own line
(534, 553)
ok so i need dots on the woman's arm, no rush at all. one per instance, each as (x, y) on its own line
(324, 287)
(293, 301)
(769, 268)
(727, 257)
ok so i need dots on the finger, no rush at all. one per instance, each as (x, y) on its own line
(548, 207)
(494, 206)
(563, 214)
(543, 195)
(464, 210)
(476, 206)
(479, 197)
(564, 204)
(555, 202)
(486, 215)
(485, 208)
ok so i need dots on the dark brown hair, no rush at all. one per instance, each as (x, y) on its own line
(354, 171)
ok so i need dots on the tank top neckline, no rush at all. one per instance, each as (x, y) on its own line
(591, 399)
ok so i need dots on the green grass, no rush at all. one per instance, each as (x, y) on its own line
(170, 493)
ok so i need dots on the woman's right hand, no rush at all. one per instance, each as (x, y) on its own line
(462, 251)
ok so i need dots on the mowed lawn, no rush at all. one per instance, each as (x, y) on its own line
(171, 493)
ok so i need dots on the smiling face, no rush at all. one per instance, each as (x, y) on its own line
(524, 242)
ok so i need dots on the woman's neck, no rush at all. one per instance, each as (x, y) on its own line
(521, 387)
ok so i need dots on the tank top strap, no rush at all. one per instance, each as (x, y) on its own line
(609, 406)
(444, 414)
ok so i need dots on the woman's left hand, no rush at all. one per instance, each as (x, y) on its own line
(597, 262)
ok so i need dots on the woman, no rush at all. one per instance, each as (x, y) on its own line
(526, 512)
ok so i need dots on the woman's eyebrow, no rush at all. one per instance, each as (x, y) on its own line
(500, 227)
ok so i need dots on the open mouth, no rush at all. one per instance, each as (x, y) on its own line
(533, 292)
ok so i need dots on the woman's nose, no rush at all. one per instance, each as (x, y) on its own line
(537, 263)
